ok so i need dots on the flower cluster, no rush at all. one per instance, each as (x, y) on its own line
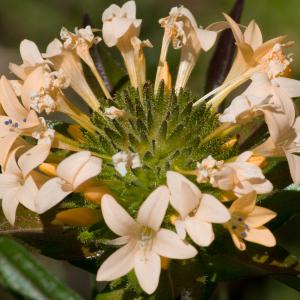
(130, 148)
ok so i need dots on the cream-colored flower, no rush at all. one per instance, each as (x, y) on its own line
(125, 160)
(197, 211)
(112, 112)
(42, 90)
(143, 239)
(273, 98)
(121, 28)
(240, 176)
(81, 41)
(31, 57)
(247, 222)
(17, 186)
(252, 52)
(287, 145)
(120, 23)
(139, 58)
(17, 121)
(252, 56)
(206, 169)
(182, 30)
(71, 173)
(69, 62)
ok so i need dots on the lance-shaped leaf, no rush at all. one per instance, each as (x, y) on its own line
(223, 56)
(20, 273)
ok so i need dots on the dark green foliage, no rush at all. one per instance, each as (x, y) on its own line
(164, 129)
(21, 273)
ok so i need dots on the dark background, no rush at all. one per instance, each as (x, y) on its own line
(41, 20)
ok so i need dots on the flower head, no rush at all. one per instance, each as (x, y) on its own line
(18, 120)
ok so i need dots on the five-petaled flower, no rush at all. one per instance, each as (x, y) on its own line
(247, 220)
(144, 241)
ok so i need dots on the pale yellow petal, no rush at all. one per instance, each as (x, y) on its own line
(259, 216)
(244, 205)
(200, 232)
(89, 170)
(10, 102)
(69, 168)
(152, 211)
(262, 236)
(118, 264)
(147, 269)
(212, 210)
(50, 194)
(116, 217)
(168, 244)
(185, 195)
(9, 205)
(253, 36)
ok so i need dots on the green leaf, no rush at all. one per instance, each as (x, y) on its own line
(20, 273)
(114, 295)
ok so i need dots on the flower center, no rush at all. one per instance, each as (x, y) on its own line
(276, 62)
(239, 226)
(12, 125)
(146, 240)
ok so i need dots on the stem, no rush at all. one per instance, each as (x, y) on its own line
(67, 141)
(222, 130)
(88, 125)
(184, 172)
(225, 89)
(66, 107)
(76, 146)
(104, 156)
